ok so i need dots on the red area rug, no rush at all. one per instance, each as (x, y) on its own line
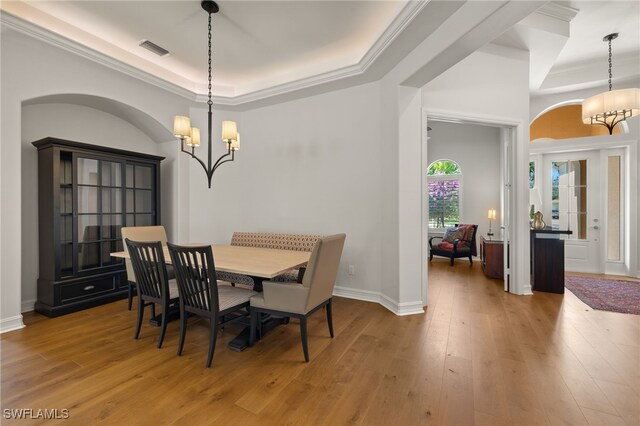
(606, 294)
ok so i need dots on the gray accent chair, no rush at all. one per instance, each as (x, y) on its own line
(300, 300)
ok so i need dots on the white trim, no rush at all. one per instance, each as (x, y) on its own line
(400, 309)
(28, 305)
(558, 11)
(11, 323)
(519, 271)
(400, 22)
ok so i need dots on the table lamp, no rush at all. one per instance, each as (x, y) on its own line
(491, 216)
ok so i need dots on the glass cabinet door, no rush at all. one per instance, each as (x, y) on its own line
(99, 211)
(140, 196)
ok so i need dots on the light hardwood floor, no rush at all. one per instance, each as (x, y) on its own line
(478, 356)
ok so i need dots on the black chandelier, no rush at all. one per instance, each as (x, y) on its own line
(190, 136)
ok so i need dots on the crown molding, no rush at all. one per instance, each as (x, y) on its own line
(558, 11)
(400, 22)
(32, 30)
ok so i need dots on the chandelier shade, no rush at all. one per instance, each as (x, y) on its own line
(610, 108)
(181, 126)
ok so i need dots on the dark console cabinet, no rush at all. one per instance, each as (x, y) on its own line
(86, 194)
(492, 257)
(547, 260)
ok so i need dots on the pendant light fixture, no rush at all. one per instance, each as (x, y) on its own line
(190, 136)
(610, 108)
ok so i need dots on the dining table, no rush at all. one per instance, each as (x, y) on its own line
(258, 263)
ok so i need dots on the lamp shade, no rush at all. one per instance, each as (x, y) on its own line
(181, 126)
(235, 144)
(194, 138)
(492, 214)
(606, 104)
(229, 131)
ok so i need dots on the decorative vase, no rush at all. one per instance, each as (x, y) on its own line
(538, 223)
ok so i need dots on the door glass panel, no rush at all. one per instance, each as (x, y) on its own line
(65, 169)
(111, 200)
(111, 226)
(569, 197)
(143, 201)
(87, 171)
(111, 173)
(88, 227)
(130, 201)
(88, 256)
(108, 248)
(87, 199)
(614, 209)
(129, 172)
(144, 220)
(66, 229)
(131, 221)
(143, 176)
(66, 200)
(66, 259)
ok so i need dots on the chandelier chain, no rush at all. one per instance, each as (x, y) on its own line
(610, 74)
(210, 102)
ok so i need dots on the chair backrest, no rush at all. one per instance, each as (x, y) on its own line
(196, 276)
(141, 233)
(322, 270)
(472, 237)
(295, 242)
(147, 259)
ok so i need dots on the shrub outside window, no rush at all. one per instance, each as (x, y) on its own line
(444, 182)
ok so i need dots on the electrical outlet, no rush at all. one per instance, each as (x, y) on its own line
(352, 270)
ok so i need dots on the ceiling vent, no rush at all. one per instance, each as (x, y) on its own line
(160, 51)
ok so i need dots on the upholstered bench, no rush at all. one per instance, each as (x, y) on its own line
(296, 242)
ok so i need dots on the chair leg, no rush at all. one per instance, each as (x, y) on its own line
(213, 336)
(183, 331)
(303, 335)
(330, 316)
(470, 260)
(430, 257)
(153, 309)
(451, 261)
(140, 315)
(130, 293)
(163, 324)
(254, 326)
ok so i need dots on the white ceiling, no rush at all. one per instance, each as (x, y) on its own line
(256, 44)
(259, 45)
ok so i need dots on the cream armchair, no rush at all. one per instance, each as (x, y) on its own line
(292, 299)
(142, 234)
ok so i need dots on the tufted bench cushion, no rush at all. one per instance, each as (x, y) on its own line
(296, 242)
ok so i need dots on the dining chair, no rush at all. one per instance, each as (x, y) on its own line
(142, 233)
(300, 300)
(201, 295)
(152, 281)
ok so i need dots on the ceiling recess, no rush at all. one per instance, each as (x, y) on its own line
(149, 45)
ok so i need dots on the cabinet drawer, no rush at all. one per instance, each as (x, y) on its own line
(88, 288)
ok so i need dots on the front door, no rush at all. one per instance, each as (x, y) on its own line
(572, 200)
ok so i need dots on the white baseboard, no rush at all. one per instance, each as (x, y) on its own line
(11, 323)
(28, 305)
(400, 309)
